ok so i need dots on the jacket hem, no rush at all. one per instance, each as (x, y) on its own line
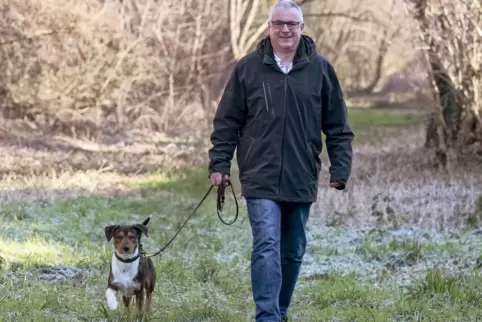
(277, 198)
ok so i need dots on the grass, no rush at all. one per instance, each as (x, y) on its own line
(199, 277)
(378, 117)
(369, 124)
(351, 273)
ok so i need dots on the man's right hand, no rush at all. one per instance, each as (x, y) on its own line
(217, 178)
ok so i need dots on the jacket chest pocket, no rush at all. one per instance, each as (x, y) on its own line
(265, 100)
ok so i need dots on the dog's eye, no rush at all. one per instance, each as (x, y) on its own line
(131, 237)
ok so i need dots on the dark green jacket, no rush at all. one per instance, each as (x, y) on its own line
(275, 121)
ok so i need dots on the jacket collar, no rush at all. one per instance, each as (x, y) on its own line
(306, 50)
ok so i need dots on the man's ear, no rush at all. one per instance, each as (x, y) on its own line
(141, 228)
(109, 231)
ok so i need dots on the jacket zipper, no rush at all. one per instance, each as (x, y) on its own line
(283, 136)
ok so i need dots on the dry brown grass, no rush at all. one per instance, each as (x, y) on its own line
(36, 167)
(394, 182)
(30, 173)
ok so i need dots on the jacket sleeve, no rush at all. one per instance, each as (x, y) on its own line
(339, 136)
(228, 120)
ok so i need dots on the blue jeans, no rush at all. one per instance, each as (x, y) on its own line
(279, 243)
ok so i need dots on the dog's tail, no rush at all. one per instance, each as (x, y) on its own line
(146, 221)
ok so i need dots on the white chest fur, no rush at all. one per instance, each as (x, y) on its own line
(124, 274)
(123, 277)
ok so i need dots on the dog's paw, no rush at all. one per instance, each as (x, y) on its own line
(112, 304)
(111, 299)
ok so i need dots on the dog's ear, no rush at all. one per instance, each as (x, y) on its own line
(146, 221)
(109, 231)
(141, 228)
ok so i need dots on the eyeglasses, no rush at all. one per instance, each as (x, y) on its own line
(277, 24)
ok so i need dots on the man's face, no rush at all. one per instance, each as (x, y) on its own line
(285, 29)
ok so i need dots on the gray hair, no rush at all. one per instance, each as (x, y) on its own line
(287, 4)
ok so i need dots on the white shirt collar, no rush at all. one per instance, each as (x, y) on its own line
(283, 68)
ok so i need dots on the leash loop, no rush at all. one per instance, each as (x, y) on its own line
(221, 198)
(219, 206)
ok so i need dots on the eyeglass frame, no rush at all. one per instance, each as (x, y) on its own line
(283, 23)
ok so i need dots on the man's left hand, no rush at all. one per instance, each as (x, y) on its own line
(337, 185)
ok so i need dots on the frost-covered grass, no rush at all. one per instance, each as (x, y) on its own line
(402, 243)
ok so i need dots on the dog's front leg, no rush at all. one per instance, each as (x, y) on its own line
(148, 301)
(139, 299)
(111, 299)
(127, 301)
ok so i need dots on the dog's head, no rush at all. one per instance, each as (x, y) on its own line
(125, 237)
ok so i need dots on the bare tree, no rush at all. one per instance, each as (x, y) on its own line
(145, 64)
(242, 15)
(452, 34)
(363, 39)
(78, 68)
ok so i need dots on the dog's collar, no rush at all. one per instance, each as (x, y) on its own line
(128, 260)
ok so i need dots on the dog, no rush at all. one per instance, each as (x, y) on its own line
(129, 273)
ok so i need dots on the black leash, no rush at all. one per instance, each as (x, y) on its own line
(220, 206)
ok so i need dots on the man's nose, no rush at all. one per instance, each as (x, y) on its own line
(285, 28)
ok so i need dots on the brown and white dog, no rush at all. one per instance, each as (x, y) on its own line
(130, 273)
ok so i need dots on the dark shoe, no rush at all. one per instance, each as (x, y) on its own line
(284, 319)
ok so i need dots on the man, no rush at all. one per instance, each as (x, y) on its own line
(278, 100)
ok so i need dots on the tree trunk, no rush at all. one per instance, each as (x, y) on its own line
(454, 75)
